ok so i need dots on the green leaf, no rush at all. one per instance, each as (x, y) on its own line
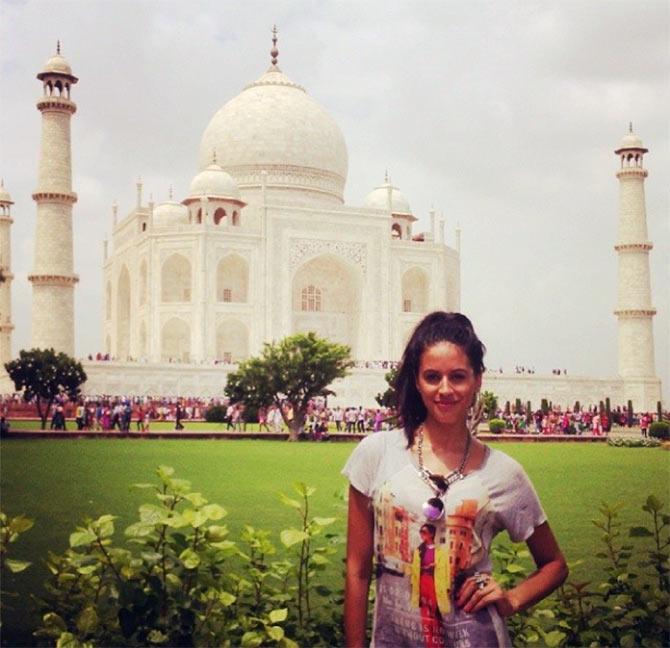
(321, 521)
(196, 499)
(289, 537)
(640, 532)
(653, 503)
(139, 530)
(319, 559)
(68, 640)
(288, 501)
(52, 620)
(190, 558)
(157, 637)
(82, 538)
(165, 472)
(277, 616)
(226, 599)
(251, 639)
(214, 512)
(513, 568)
(302, 489)
(19, 524)
(554, 638)
(276, 633)
(87, 569)
(216, 533)
(16, 566)
(87, 621)
(143, 486)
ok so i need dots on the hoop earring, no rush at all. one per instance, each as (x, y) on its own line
(475, 414)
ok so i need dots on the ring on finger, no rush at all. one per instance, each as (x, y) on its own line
(481, 580)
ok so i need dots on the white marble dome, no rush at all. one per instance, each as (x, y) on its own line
(4, 194)
(631, 141)
(273, 125)
(170, 213)
(214, 182)
(378, 199)
(58, 65)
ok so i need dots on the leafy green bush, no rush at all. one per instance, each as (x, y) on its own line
(660, 430)
(633, 442)
(10, 530)
(629, 608)
(180, 581)
(216, 414)
(497, 426)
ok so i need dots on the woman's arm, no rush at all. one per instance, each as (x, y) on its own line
(360, 543)
(550, 573)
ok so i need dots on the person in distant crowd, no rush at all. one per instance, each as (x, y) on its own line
(79, 415)
(263, 419)
(350, 417)
(4, 426)
(596, 425)
(139, 423)
(178, 415)
(275, 419)
(230, 416)
(645, 421)
(377, 424)
(360, 420)
(338, 417)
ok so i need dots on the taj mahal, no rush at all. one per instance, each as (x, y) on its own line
(264, 246)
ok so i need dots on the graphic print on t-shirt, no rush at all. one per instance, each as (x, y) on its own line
(420, 565)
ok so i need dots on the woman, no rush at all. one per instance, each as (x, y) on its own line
(434, 472)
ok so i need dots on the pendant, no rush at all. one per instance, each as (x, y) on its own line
(433, 509)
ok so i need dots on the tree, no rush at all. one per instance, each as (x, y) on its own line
(388, 398)
(44, 375)
(490, 404)
(294, 370)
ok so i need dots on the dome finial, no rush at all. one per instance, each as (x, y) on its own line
(630, 127)
(170, 194)
(214, 156)
(58, 46)
(386, 176)
(274, 52)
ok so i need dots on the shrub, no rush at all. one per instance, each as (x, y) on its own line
(633, 442)
(660, 430)
(497, 426)
(216, 414)
(178, 580)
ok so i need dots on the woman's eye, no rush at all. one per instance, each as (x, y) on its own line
(431, 377)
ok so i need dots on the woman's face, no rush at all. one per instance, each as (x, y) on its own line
(447, 384)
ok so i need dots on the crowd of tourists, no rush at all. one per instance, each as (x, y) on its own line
(592, 420)
(126, 414)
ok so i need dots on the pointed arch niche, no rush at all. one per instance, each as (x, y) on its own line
(326, 299)
(176, 341)
(143, 282)
(232, 341)
(123, 315)
(415, 285)
(232, 279)
(176, 279)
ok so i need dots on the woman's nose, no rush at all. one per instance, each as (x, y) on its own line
(445, 386)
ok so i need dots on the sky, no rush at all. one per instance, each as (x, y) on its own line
(503, 116)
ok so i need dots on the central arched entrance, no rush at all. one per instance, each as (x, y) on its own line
(326, 299)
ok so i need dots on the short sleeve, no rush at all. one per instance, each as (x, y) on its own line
(363, 463)
(519, 506)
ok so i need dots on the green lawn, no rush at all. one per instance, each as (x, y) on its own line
(59, 482)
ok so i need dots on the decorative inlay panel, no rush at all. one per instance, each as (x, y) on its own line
(302, 249)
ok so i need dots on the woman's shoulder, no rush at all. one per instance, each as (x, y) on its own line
(385, 440)
(501, 465)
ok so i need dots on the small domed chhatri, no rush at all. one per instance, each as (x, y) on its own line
(379, 199)
(631, 141)
(170, 213)
(214, 181)
(4, 194)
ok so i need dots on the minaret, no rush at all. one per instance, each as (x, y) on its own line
(6, 277)
(634, 308)
(53, 275)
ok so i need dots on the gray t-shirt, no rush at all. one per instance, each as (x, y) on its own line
(417, 579)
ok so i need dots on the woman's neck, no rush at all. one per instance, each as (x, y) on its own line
(444, 440)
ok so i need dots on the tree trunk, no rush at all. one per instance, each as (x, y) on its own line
(296, 426)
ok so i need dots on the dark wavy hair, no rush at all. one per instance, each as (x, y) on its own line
(435, 327)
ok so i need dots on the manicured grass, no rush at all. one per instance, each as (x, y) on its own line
(57, 482)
